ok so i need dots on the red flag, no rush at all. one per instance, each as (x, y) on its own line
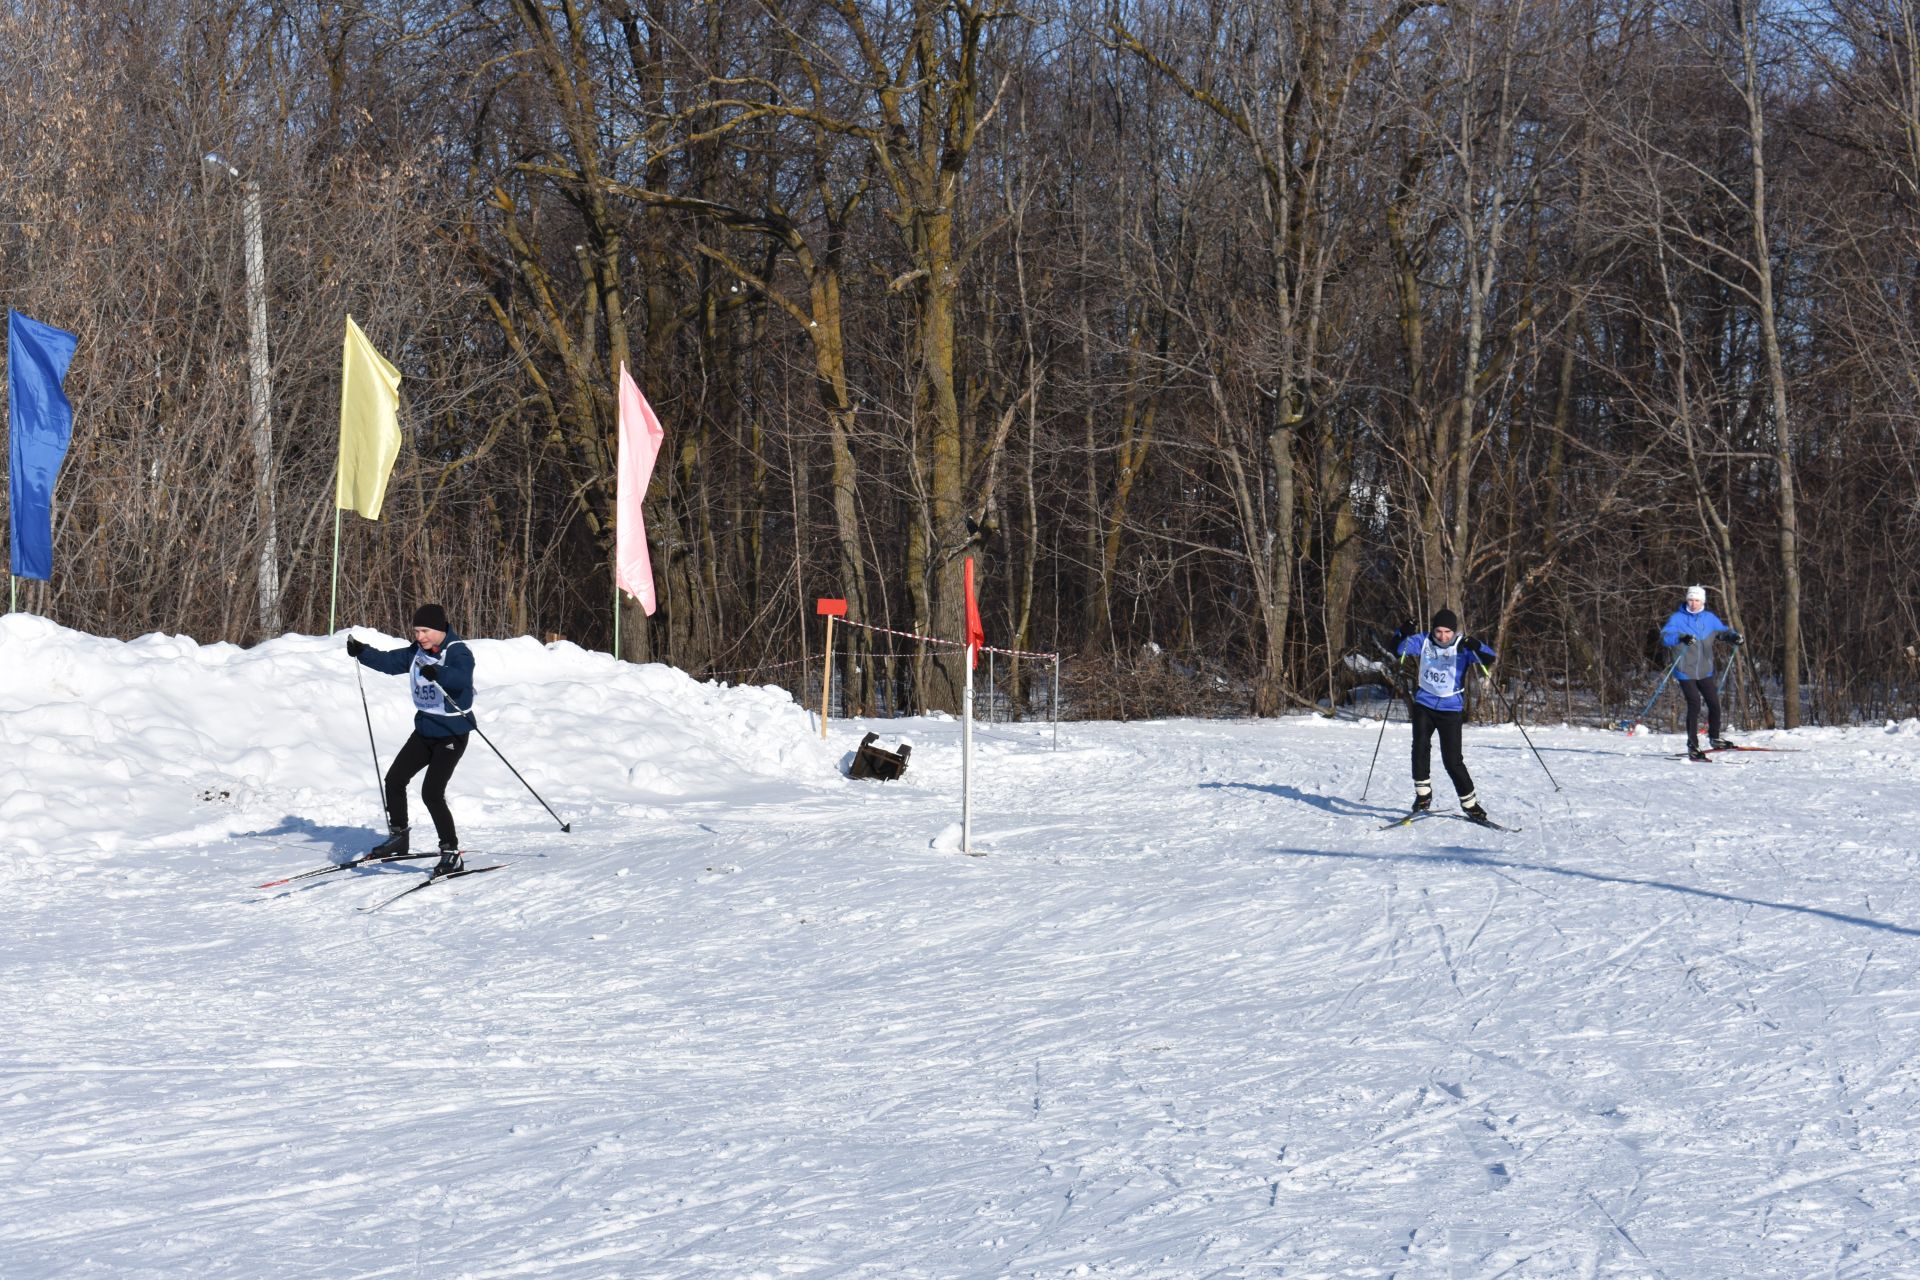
(976, 634)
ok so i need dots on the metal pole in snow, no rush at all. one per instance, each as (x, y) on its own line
(966, 757)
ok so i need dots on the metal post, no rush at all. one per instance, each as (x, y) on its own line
(260, 403)
(1056, 702)
(966, 758)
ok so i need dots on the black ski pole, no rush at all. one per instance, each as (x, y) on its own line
(564, 826)
(1394, 681)
(1384, 717)
(459, 710)
(378, 787)
(1515, 715)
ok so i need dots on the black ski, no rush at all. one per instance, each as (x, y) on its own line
(1710, 752)
(431, 880)
(332, 867)
(1489, 823)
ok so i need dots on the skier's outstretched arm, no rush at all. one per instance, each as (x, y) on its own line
(391, 662)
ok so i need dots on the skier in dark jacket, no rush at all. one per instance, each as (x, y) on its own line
(1444, 657)
(1690, 634)
(439, 666)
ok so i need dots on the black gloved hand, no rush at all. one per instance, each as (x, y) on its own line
(355, 647)
(430, 672)
(1685, 641)
(1404, 630)
(1469, 645)
(1734, 638)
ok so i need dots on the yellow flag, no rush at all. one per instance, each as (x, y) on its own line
(369, 426)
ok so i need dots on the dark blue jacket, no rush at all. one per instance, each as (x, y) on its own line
(1696, 660)
(1430, 675)
(439, 702)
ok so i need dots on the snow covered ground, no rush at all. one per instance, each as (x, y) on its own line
(1194, 1015)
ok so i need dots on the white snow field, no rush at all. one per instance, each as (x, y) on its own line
(1193, 1015)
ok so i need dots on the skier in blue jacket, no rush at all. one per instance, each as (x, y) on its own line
(1690, 634)
(439, 667)
(1444, 656)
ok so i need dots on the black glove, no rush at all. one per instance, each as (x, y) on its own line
(1469, 644)
(1685, 641)
(1404, 630)
(430, 672)
(355, 647)
(1735, 638)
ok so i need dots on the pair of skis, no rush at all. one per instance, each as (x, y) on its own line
(332, 867)
(433, 879)
(1412, 816)
(366, 859)
(1711, 752)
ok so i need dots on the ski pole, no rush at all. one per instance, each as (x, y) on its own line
(1384, 717)
(379, 789)
(1656, 691)
(564, 826)
(459, 710)
(1515, 714)
(1394, 680)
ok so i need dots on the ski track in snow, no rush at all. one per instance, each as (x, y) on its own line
(1193, 1015)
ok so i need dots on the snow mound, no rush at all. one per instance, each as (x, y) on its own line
(168, 740)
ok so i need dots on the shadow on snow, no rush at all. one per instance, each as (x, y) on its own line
(1477, 860)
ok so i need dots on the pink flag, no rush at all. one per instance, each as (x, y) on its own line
(640, 437)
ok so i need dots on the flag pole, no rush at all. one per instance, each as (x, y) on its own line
(333, 596)
(616, 611)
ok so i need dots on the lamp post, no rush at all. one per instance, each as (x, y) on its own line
(260, 400)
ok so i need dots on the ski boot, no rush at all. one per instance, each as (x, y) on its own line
(449, 859)
(1422, 801)
(1695, 753)
(1722, 744)
(1475, 813)
(394, 846)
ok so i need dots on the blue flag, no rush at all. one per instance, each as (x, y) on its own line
(39, 425)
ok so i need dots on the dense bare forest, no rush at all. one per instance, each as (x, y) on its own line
(1224, 336)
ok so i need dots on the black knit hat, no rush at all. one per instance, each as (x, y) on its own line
(1445, 618)
(431, 616)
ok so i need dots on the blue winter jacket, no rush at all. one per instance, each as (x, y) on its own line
(1696, 660)
(1442, 673)
(438, 703)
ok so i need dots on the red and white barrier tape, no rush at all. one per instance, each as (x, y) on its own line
(765, 666)
(952, 644)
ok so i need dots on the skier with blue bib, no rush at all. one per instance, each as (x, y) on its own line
(1690, 634)
(1444, 656)
(439, 667)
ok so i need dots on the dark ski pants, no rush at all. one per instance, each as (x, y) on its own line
(437, 756)
(1425, 721)
(1698, 690)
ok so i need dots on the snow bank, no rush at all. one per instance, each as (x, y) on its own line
(169, 741)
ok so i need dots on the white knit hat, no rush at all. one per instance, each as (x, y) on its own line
(1697, 592)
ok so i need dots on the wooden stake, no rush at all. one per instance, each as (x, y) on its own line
(826, 678)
